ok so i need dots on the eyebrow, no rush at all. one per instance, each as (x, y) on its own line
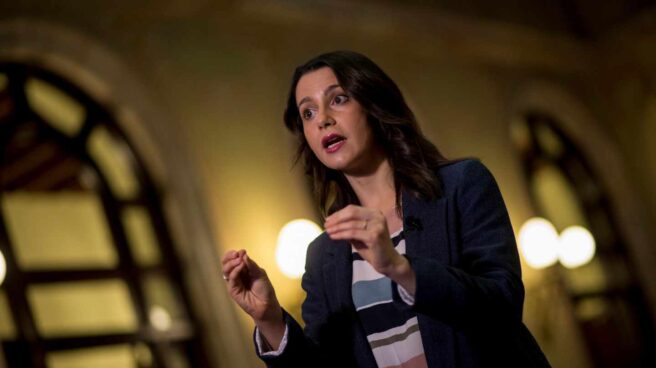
(325, 92)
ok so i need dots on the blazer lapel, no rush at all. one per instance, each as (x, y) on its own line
(338, 273)
(424, 226)
(426, 232)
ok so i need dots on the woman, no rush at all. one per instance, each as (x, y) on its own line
(418, 265)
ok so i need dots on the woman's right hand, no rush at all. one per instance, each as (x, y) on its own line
(250, 288)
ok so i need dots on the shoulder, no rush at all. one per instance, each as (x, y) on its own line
(464, 172)
(317, 247)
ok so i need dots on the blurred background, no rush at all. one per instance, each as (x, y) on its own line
(140, 140)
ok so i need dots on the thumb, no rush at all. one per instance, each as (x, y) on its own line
(252, 266)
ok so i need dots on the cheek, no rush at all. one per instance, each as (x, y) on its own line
(369, 142)
(310, 140)
(365, 131)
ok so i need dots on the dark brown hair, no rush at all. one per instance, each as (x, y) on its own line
(414, 159)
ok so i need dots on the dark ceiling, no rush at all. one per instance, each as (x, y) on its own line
(580, 18)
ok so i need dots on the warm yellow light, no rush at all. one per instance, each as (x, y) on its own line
(293, 241)
(160, 318)
(538, 241)
(576, 247)
(3, 268)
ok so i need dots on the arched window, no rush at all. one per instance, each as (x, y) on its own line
(92, 273)
(607, 299)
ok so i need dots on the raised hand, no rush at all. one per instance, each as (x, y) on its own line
(367, 231)
(250, 288)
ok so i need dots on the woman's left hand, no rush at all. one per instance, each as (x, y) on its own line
(367, 231)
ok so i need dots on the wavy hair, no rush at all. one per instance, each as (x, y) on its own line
(414, 160)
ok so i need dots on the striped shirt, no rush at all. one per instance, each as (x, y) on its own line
(392, 332)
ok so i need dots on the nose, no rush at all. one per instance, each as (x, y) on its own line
(325, 123)
(326, 120)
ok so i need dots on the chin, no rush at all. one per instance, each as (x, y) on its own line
(335, 167)
(332, 165)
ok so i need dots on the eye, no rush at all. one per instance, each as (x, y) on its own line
(340, 99)
(306, 114)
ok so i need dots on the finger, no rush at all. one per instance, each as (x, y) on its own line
(234, 279)
(346, 212)
(350, 212)
(231, 254)
(363, 236)
(252, 266)
(345, 225)
(230, 265)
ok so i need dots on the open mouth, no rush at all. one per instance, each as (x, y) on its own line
(332, 142)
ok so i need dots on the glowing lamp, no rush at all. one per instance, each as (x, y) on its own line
(160, 318)
(576, 247)
(538, 241)
(293, 241)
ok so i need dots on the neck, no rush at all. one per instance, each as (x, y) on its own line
(375, 189)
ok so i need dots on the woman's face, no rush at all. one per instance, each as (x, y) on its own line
(335, 124)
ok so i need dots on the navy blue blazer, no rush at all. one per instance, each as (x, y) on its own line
(469, 294)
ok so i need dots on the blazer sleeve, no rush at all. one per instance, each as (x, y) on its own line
(484, 287)
(303, 344)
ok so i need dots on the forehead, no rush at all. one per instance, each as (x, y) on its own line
(314, 83)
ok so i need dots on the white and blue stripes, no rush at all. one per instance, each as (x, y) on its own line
(392, 332)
